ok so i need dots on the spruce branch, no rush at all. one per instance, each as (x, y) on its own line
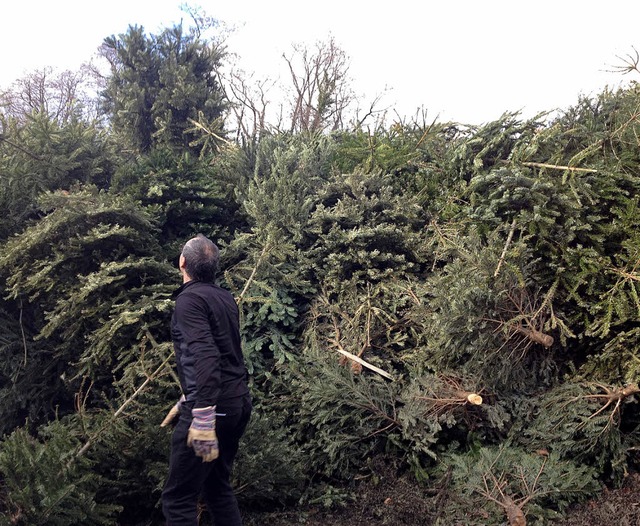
(151, 377)
(512, 506)
(18, 147)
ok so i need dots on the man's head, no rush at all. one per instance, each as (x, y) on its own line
(199, 259)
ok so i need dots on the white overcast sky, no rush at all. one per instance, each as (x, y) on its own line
(461, 60)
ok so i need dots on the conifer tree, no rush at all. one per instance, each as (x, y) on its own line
(160, 86)
(186, 195)
(41, 487)
(43, 155)
(81, 283)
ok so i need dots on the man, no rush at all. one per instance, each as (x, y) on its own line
(216, 405)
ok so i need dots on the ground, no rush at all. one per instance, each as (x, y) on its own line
(397, 501)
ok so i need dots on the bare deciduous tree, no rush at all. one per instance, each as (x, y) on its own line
(321, 88)
(249, 100)
(59, 94)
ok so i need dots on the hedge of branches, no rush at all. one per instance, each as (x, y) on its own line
(461, 300)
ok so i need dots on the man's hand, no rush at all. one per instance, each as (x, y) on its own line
(202, 433)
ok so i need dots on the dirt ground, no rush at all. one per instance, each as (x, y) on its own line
(397, 501)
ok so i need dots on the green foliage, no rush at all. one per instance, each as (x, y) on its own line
(160, 85)
(186, 196)
(267, 442)
(589, 423)
(492, 481)
(493, 321)
(380, 322)
(129, 449)
(42, 155)
(362, 230)
(386, 281)
(342, 417)
(27, 374)
(44, 485)
(486, 147)
(83, 285)
(265, 267)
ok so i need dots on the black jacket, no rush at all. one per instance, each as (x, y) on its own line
(206, 340)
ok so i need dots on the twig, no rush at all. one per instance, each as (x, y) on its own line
(506, 247)
(24, 339)
(252, 276)
(559, 167)
(119, 411)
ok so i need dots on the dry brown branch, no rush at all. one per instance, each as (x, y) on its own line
(89, 442)
(629, 63)
(536, 336)
(173, 412)
(24, 338)
(611, 397)
(240, 298)
(522, 320)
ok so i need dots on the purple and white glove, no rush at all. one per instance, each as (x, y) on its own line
(202, 433)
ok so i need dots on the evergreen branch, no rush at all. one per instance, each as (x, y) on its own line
(119, 411)
(18, 147)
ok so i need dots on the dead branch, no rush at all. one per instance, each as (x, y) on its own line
(506, 247)
(512, 507)
(523, 321)
(240, 298)
(611, 397)
(536, 336)
(360, 361)
(560, 167)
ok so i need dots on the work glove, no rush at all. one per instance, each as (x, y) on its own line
(173, 412)
(202, 433)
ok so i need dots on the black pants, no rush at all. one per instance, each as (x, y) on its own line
(189, 477)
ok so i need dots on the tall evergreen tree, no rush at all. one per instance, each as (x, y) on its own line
(163, 89)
